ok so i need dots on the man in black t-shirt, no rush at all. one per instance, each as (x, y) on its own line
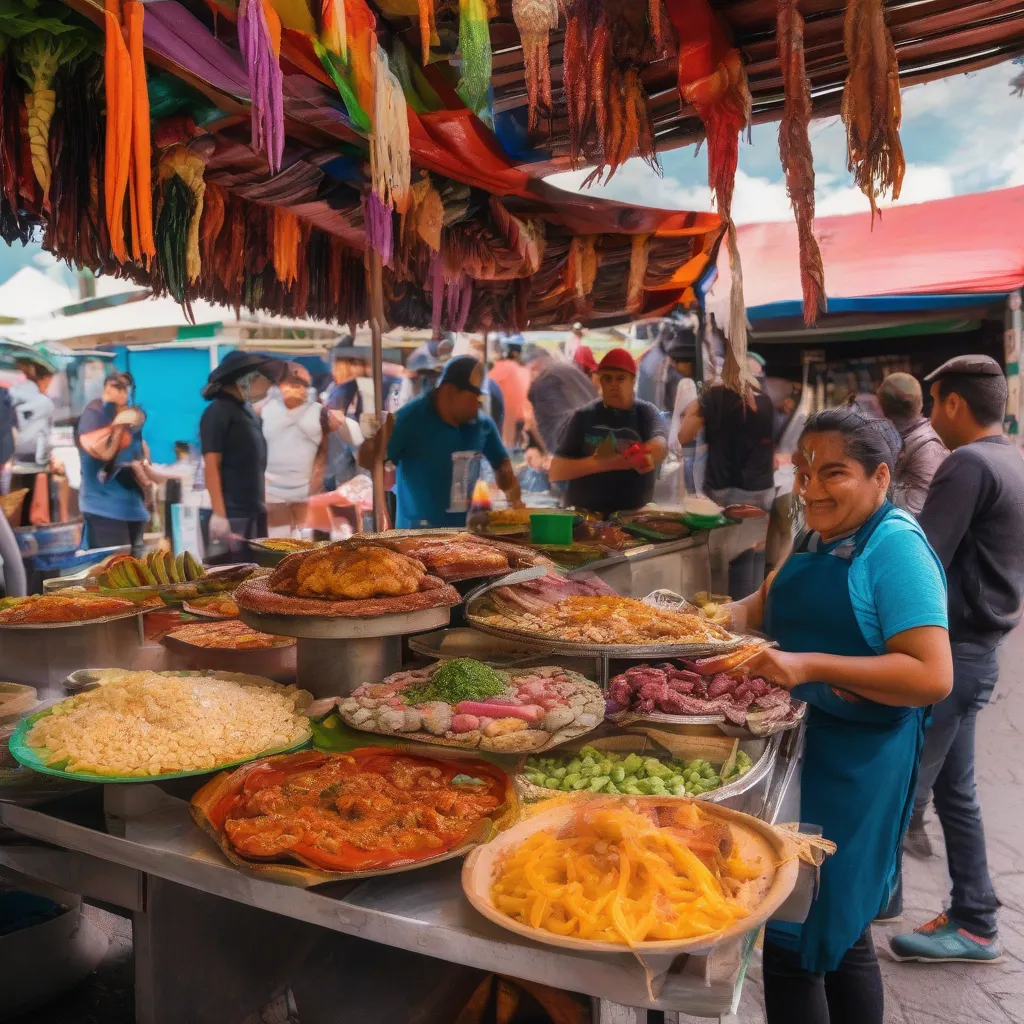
(610, 449)
(974, 519)
(741, 460)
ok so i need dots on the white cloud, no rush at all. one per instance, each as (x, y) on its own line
(756, 199)
(960, 134)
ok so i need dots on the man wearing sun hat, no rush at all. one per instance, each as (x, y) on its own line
(611, 448)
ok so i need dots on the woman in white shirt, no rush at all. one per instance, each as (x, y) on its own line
(295, 428)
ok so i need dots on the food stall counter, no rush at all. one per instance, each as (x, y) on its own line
(196, 918)
(685, 566)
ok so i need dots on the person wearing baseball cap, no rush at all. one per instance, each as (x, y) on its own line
(740, 436)
(435, 443)
(923, 452)
(974, 519)
(611, 448)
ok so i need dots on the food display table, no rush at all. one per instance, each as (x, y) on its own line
(213, 945)
(684, 566)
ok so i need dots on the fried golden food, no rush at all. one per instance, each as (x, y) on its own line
(63, 606)
(286, 544)
(348, 571)
(453, 557)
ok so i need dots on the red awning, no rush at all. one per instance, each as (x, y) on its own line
(966, 244)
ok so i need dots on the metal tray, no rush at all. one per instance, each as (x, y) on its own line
(18, 626)
(625, 651)
(470, 643)
(277, 663)
(313, 627)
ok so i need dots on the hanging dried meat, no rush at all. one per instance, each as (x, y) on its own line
(871, 107)
(607, 44)
(535, 19)
(796, 156)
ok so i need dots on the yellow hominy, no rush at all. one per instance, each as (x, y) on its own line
(150, 724)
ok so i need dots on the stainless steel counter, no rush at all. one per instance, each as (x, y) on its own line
(197, 920)
(698, 562)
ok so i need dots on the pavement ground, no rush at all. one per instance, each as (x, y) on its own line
(914, 993)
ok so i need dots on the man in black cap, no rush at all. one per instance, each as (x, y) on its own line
(974, 519)
(234, 451)
(435, 443)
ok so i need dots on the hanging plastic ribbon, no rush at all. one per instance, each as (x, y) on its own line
(796, 155)
(535, 20)
(333, 50)
(475, 49)
(640, 248)
(390, 159)
(259, 37)
(712, 79)
(428, 29)
(377, 222)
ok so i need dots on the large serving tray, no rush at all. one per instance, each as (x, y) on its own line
(581, 650)
(311, 627)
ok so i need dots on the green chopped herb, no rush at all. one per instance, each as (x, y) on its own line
(458, 680)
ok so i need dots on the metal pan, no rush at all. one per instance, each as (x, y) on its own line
(277, 663)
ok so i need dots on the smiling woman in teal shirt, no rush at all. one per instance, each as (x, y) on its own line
(859, 614)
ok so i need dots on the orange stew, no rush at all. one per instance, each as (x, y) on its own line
(367, 809)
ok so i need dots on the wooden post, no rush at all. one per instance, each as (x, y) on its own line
(376, 294)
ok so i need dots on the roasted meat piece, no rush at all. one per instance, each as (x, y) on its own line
(452, 558)
(347, 571)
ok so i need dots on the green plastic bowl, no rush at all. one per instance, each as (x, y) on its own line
(551, 528)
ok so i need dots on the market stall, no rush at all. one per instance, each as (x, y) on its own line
(128, 826)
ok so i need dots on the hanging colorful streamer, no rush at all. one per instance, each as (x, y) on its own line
(186, 165)
(796, 155)
(118, 151)
(390, 160)
(259, 37)
(712, 78)
(639, 252)
(428, 29)
(475, 49)
(333, 33)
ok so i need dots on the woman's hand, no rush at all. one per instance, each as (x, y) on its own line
(779, 667)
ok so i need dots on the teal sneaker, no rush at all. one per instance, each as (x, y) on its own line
(942, 942)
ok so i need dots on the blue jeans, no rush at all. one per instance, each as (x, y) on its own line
(947, 776)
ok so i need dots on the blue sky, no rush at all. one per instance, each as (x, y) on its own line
(960, 135)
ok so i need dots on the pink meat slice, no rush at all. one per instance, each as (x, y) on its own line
(527, 712)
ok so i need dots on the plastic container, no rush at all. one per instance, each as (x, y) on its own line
(551, 528)
(49, 539)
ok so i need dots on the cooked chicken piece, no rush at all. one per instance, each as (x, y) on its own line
(348, 572)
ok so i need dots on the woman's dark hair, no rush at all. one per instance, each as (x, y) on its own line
(867, 441)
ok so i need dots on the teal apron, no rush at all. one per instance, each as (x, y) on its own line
(860, 758)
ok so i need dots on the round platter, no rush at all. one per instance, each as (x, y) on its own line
(202, 613)
(311, 627)
(755, 839)
(29, 757)
(625, 651)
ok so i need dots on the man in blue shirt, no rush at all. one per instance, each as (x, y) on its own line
(435, 443)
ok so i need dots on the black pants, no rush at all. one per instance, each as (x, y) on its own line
(947, 777)
(101, 532)
(851, 994)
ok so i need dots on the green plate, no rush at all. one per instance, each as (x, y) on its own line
(29, 757)
(652, 533)
(698, 522)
